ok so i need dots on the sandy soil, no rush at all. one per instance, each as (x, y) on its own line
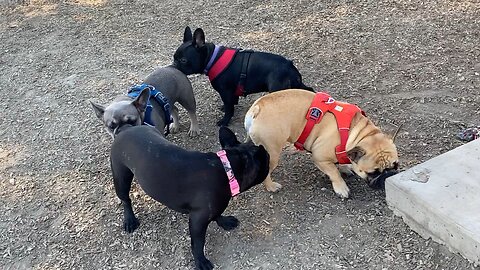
(405, 61)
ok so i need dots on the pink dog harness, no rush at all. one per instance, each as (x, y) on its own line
(232, 181)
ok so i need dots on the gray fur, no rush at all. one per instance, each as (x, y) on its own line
(172, 83)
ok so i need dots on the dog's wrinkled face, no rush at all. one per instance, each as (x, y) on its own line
(374, 159)
(122, 111)
(256, 159)
(190, 57)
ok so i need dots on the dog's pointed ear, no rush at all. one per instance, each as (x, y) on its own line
(198, 38)
(227, 138)
(355, 154)
(187, 35)
(261, 151)
(98, 109)
(141, 101)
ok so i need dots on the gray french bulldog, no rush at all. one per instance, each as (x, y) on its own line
(174, 86)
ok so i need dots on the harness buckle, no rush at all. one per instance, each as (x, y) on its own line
(330, 100)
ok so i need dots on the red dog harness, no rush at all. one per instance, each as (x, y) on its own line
(343, 112)
(215, 68)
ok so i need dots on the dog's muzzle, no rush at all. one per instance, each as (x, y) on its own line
(376, 180)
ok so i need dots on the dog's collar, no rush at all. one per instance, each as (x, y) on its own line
(216, 65)
(212, 59)
(232, 181)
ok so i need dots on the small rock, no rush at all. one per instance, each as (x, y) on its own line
(12, 181)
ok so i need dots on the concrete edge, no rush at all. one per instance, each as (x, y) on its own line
(458, 242)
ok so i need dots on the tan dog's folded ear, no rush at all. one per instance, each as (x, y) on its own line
(355, 154)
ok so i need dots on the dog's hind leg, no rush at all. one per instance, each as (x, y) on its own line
(190, 105)
(197, 225)
(227, 222)
(268, 182)
(122, 180)
(175, 126)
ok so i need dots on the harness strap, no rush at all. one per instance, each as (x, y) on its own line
(240, 90)
(318, 108)
(232, 181)
(221, 63)
(162, 100)
(343, 112)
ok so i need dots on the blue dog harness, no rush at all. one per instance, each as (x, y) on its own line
(159, 97)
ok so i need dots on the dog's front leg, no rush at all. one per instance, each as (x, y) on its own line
(122, 180)
(197, 224)
(338, 183)
(229, 109)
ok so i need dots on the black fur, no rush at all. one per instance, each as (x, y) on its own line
(266, 72)
(189, 182)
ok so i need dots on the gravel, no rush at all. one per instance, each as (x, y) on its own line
(415, 63)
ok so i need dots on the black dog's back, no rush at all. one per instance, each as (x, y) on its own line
(280, 73)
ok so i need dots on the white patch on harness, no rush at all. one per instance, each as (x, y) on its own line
(338, 108)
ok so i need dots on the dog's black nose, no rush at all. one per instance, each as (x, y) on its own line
(378, 181)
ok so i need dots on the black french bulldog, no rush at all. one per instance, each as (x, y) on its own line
(234, 72)
(189, 182)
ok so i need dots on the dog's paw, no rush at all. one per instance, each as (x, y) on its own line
(341, 189)
(194, 131)
(273, 186)
(203, 264)
(174, 128)
(130, 224)
(227, 222)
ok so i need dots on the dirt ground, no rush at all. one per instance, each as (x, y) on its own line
(404, 61)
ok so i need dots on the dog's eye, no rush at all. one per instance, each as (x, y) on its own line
(112, 125)
(183, 60)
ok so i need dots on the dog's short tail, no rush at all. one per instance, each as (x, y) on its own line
(298, 83)
(303, 86)
(249, 119)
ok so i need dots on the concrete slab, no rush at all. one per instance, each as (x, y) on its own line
(440, 199)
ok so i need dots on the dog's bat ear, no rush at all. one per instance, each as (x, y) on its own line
(198, 38)
(261, 151)
(187, 35)
(141, 101)
(355, 154)
(98, 109)
(227, 138)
